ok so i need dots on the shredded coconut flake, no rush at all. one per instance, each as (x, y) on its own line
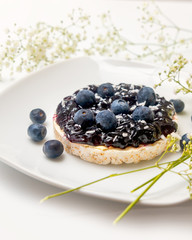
(163, 137)
(142, 103)
(63, 103)
(125, 134)
(119, 116)
(90, 132)
(114, 139)
(153, 107)
(133, 107)
(134, 90)
(142, 121)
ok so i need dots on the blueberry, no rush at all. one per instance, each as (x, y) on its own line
(37, 132)
(178, 105)
(120, 106)
(85, 98)
(184, 138)
(37, 115)
(105, 90)
(106, 120)
(53, 148)
(143, 113)
(147, 95)
(84, 117)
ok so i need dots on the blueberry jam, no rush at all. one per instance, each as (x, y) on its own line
(127, 131)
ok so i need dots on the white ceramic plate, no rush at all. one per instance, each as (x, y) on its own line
(45, 89)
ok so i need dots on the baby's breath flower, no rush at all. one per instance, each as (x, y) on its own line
(189, 135)
(175, 147)
(6, 31)
(19, 68)
(175, 136)
(44, 44)
(172, 74)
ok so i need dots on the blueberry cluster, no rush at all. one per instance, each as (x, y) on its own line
(115, 115)
(37, 132)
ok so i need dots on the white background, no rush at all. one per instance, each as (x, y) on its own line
(76, 216)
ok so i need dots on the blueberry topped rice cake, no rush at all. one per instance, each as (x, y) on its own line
(114, 123)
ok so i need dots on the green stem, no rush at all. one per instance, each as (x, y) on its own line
(142, 185)
(156, 178)
(77, 188)
(183, 29)
(90, 183)
(139, 197)
(160, 48)
(167, 148)
(145, 183)
(178, 82)
(99, 180)
(165, 16)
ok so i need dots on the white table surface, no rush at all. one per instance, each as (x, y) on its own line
(76, 216)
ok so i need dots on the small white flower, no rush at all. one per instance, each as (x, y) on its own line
(19, 68)
(175, 135)
(189, 135)
(6, 31)
(189, 172)
(7, 64)
(8, 42)
(176, 147)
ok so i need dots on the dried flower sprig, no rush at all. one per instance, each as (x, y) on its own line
(164, 37)
(173, 74)
(165, 167)
(29, 49)
(108, 40)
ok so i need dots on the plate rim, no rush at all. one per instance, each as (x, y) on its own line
(46, 180)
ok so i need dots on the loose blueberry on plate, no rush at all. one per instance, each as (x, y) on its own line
(184, 139)
(106, 120)
(84, 117)
(147, 95)
(53, 148)
(37, 132)
(37, 115)
(143, 113)
(120, 106)
(85, 98)
(105, 90)
(178, 105)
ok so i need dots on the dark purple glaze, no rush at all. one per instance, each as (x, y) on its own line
(127, 132)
